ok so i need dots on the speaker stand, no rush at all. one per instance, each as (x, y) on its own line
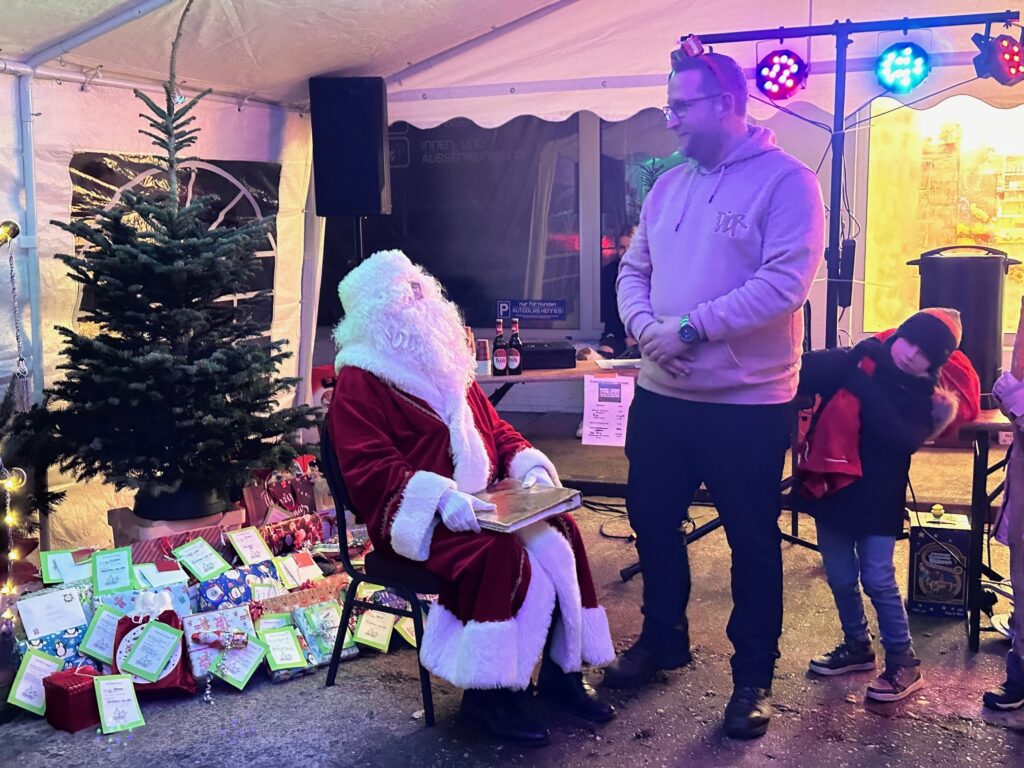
(360, 242)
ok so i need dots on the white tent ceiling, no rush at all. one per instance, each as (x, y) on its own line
(544, 57)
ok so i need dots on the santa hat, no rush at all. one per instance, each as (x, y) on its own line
(936, 330)
(378, 282)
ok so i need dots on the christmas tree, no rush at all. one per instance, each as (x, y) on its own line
(176, 390)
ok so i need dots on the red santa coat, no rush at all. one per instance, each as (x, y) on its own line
(398, 455)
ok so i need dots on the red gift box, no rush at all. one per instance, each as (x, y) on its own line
(71, 700)
(294, 534)
(155, 550)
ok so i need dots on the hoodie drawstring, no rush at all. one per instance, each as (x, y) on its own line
(718, 183)
(686, 200)
(689, 193)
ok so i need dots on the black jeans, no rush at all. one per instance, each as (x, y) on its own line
(738, 452)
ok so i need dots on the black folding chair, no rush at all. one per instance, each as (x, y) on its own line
(406, 577)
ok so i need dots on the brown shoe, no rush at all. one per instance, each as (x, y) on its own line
(637, 666)
(895, 683)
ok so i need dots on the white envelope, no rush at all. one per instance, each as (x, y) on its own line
(148, 574)
(68, 570)
(52, 612)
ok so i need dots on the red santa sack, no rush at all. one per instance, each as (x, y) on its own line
(176, 676)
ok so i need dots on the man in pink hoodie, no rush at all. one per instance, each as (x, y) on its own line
(712, 286)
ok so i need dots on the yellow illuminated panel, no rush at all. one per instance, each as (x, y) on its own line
(952, 174)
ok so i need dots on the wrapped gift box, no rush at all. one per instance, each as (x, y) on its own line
(282, 675)
(201, 655)
(155, 550)
(126, 602)
(151, 540)
(297, 533)
(271, 502)
(239, 586)
(63, 645)
(378, 595)
(71, 699)
(319, 626)
(372, 593)
(320, 591)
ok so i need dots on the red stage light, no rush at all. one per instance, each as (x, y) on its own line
(999, 58)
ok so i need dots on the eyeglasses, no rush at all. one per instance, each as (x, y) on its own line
(678, 109)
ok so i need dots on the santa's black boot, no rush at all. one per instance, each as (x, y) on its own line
(572, 693)
(569, 690)
(500, 715)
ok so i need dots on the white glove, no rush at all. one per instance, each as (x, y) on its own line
(458, 511)
(537, 476)
(1010, 394)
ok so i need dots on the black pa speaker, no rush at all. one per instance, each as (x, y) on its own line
(350, 145)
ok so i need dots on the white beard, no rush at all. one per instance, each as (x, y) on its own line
(428, 334)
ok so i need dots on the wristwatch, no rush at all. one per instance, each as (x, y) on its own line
(688, 331)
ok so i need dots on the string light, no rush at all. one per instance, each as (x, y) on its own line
(12, 479)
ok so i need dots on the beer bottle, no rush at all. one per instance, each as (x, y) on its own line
(499, 355)
(515, 350)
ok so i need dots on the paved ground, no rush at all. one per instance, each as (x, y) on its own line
(368, 719)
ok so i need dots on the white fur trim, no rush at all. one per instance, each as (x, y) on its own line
(491, 654)
(577, 637)
(527, 459)
(472, 465)
(414, 523)
(551, 551)
(597, 638)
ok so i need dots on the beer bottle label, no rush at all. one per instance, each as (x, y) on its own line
(514, 359)
(500, 360)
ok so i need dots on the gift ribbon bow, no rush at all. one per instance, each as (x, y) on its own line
(256, 610)
(165, 547)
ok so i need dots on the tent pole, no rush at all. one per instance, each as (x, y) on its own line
(835, 198)
(30, 257)
(309, 297)
(106, 25)
(29, 236)
(151, 86)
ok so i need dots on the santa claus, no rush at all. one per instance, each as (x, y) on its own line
(415, 436)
